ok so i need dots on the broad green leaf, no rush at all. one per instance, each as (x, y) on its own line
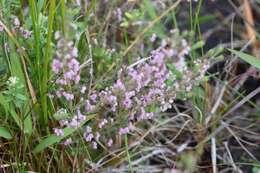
(52, 139)
(17, 70)
(248, 58)
(5, 133)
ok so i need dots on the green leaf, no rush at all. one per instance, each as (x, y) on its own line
(248, 58)
(4, 103)
(5, 133)
(256, 169)
(198, 45)
(52, 139)
(128, 15)
(16, 68)
(206, 19)
(215, 51)
(124, 24)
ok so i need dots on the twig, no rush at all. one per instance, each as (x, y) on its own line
(243, 101)
(231, 159)
(216, 105)
(214, 154)
(250, 21)
(238, 140)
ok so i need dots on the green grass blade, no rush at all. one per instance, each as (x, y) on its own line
(63, 10)
(36, 32)
(44, 83)
(128, 155)
(248, 58)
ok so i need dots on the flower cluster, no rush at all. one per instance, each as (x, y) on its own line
(18, 28)
(67, 66)
(24, 32)
(140, 90)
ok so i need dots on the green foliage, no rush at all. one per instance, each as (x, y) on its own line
(15, 92)
(131, 17)
(256, 169)
(247, 58)
(187, 162)
(52, 139)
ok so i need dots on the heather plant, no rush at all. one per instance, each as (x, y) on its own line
(141, 89)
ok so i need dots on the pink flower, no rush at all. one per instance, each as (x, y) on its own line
(68, 96)
(74, 52)
(73, 64)
(127, 103)
(74, 123)
(102, 123)
(1, 28)
(94, 145)
(80, 118)
(69, 75)
(123, 131)
(68, 141)
(88, 106)
(170, 52)
(89, 137)
(56, 65)
(181, 65)
(26, 34)
(97, 136)
(157, 58)
(77, 79)
(16, 22)
(93, 97)
(119, 85)
(58, 132)
(153, 37)
(110, 142)
(118, 14)
(130, 94)
(63, 122)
